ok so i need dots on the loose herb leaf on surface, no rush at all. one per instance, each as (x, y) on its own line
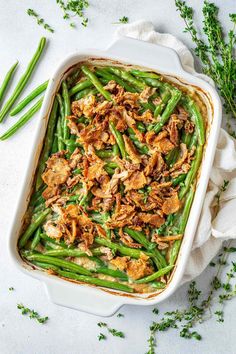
(31, 313)
(40, 21)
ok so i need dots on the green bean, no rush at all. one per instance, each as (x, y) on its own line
(55, 144)
(141, 127)
(32, 227)
(158, 285)
(7, 80)
(66, 98)
(61, 105)
(119, 139)
(96, 281)
(77, 171)
(186, 138)
(193, 110)
(150, 246)
(38, 257)
(192, 172)
(23, 120)
(143, 149)
(46, 266)
(36, 239)
(47, 144)
(155, 275)
(125, 75)
(176, 95)
(57, 243)
(115, 150)
(104, 153)
(176, 181)
(182, 224)
(80, 86)
(85, 92)
(93, 78)
(172, 157)
(193, 141)
(23, 80)
(186, 211)
(111, 77)
(144, 74)
(36, 92)
(115, 273)
(71, 253)
(165, 96)
(36, 196)
(148, 105)
(73, 77)
(126, 251)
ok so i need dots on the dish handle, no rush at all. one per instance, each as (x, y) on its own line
(82, 297)
(149, 53)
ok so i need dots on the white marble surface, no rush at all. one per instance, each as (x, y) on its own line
(69, 331)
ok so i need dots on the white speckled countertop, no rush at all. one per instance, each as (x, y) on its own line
(69, 331)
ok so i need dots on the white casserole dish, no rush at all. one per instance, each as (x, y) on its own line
(84, 297)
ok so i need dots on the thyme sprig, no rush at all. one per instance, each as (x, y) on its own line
(217, 54)
(32, 314)
(40, 21)
(74, 8)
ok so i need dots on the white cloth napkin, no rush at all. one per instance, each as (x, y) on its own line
(211, 232)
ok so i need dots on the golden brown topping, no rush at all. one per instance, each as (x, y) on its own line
(57, 171)
(136, 181)
(131, 150)
(152, 219)
(171, 205)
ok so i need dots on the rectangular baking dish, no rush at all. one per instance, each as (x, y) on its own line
(84, 297)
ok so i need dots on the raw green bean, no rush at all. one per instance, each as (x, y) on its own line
(38, 257)
(192, 172)
(32, 227)
(119, 139)
(176, 95)
(7, 80)
(36, 239)
(23, 80)
(155, 275)
(111, 77)
(29, 98)
(47, 144)
(80, 86)
(96, 281)
(23, 120)
(125, 75)
(194, 112)
(93, 78)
